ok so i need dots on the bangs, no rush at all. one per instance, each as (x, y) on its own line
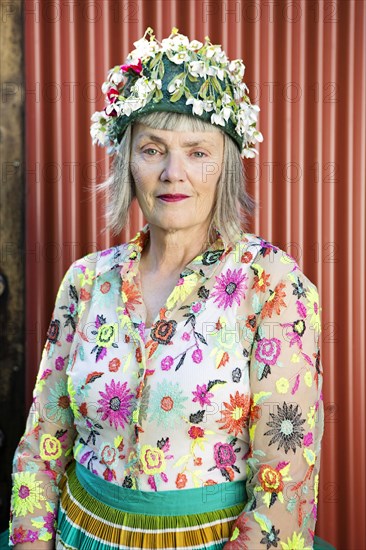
(163, 120)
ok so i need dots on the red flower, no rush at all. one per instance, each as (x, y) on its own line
(112, 95)
(111, 113)
(84, 295)
(195, 432)
(130, 66)
(181, 481)
(83, 409)
(246, 257)
(114, 364)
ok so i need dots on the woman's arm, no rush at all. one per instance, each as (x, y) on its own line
(286, 419)
(45, 449)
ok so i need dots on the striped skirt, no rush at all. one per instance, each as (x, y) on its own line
(97, 515)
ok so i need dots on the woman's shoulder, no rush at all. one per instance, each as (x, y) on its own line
(269, 261)
(95, 264)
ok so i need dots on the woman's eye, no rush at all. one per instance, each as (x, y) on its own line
(150, 149)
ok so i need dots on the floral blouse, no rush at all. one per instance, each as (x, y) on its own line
(225, 385)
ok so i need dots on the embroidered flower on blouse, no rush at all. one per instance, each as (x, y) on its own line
(275, 302)
(313, 301)
(57, 407)
(53, 331)
(105, 337)
(130, 295)
(287, 428)
(271, 537)
(225, 455)
(116, 403)
(167, 404)
(152, 460)
(163, 331)
(202, 395)
(230, 286)
(272, 482)
(49, 447)
(235, 416)
(106, 291)
(268, 350)
(20, 535)
(295, 542)
(27, 493)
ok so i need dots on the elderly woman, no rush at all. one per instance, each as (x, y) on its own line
(179, 397)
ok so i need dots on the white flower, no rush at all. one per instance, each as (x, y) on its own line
(220, 58)
(226, 99)
(258, 136)
(208, 105)
(249, 153)
(178, 58)
(131, 104)
(175, 85)
(237, 67)
(195, 45)
(98, 116)
(143, 87)
(226, 112)
(176, 43)
(197, 108)
(98, 134)
(213, 50)
(144, 48)
(216, 71)
(106, 86)
(113, 107)
(198, 68)
(216, 118)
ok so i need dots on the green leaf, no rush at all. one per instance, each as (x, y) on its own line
(264, 522)
(204, 89)
(212, 383)
(161, 69)
(187, 93)
(177, 95)
(216, 84)
(158, 96)
(155, 60)
(181, 461)
(192, 78)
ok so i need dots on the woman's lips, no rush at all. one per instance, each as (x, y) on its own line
(172, 198)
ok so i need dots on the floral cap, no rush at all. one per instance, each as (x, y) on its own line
(177, 75)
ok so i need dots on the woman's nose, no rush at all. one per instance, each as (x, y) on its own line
(174, 167)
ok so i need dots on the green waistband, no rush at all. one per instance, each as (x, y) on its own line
(163, 503)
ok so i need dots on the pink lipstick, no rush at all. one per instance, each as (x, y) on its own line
(172, 198)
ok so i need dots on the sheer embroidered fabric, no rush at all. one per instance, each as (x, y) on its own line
(225, 386)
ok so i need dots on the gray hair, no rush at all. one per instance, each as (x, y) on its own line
(232, 202)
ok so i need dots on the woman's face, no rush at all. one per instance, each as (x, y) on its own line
(165, 162)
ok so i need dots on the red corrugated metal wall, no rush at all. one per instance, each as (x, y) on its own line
(306, 69)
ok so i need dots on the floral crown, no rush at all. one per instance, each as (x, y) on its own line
(177, 75)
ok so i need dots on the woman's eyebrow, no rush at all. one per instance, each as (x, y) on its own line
(187, 143)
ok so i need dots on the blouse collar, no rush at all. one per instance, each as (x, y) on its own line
(126, 257)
